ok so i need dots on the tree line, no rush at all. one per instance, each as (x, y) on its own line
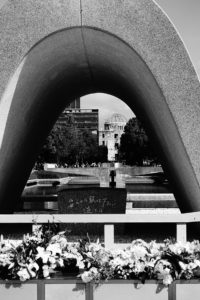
(70, 145)
(135, 146)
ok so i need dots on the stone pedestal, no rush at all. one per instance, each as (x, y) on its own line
(91, 200)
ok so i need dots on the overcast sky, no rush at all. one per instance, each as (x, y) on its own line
(185, 15)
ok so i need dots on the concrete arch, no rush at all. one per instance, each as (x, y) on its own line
(125, 48)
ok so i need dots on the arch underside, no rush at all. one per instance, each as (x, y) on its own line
(76, 62)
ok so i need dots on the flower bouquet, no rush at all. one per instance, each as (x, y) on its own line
(40, 255)
(47, 254)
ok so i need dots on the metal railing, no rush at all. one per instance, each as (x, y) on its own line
(109, 221)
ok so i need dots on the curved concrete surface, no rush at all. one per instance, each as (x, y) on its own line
(125, 48)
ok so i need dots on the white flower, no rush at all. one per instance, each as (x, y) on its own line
(68, 255)
(62, 241)
(139, 251)
(167, 279)
(92, 274)
(197, 262)
(94, 271)
(54, 248)
(154, 249)
(80, 264)
(43, 254)
(151, 262)
(139, 267)
(60, 262)
(89, 254)
(178, 247)
(118, 262)
(139, 242)
(94, 247)
(11, 265)
(182, 265)
(23, 274)
(5, 246)
(52, 260)
(194, 264)
(190, 247)
(45, 271)
(86, 277)
(5, 259)
(32, 268)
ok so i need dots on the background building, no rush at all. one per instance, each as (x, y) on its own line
(110, 136)
(75, 104)
(83, 118)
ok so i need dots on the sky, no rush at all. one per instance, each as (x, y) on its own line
(185, 15)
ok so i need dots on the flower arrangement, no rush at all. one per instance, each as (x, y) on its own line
(39, 255)
(47, 251)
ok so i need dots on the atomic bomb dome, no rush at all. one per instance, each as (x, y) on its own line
(110, 136)
(117, 118)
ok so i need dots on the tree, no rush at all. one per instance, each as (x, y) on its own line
(67, 143)
(135, 146)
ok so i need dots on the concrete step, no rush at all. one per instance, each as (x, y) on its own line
(150, 197)
(151, 200)
(158, 211)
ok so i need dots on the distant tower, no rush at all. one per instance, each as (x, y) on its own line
(110, 136)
